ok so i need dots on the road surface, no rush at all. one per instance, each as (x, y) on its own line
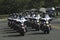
(9, 34)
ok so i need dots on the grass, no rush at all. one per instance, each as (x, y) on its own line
(57, 16)
(3, 16)
(56, 27)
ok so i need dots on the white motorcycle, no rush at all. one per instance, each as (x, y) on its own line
(21, 26)
(34, 21)
(11, 21)
(45, 25)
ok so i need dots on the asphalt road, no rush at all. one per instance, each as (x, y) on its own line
(9, 34)
(56, 21)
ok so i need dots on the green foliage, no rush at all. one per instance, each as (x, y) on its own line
(8, 6)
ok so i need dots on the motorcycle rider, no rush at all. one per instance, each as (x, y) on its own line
(46, 22)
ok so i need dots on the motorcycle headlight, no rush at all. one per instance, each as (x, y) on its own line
(37, 20)
(47, 22)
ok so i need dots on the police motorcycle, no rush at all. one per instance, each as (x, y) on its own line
(36, 21)
(20, 25)
(45, 25)
(28, 18)
(10, 19)
(51, 11)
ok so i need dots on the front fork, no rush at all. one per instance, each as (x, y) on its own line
(24, 28)
(48, 26)
(45, 27)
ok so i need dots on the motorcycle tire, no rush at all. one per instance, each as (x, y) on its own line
(37, 28)
(22, 33)
(47, 31)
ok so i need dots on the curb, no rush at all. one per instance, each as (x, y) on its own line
(56, 27)
(3, 19)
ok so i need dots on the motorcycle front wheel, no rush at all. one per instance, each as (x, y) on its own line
(22, 33)
(47, 31)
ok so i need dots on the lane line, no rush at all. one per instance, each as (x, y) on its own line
(56, 27)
